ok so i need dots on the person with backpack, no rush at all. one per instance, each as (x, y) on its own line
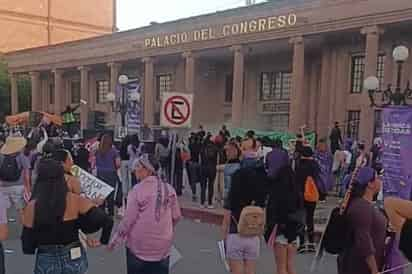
(15, 172)
(284, 218)
(209, 159)
(307, 174)
(244, 219)
(365, 251)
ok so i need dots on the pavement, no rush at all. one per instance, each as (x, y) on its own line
(197, 243)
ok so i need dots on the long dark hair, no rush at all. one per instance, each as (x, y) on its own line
(49, 193)
(61, 155)
(106, 144)
(248, 185)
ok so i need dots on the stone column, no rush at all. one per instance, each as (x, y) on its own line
(58, 91)
(113, 117)
(14, 94)
(114, 75)
(84, 95)
(189, 72)
(148, 91)
(36, 94)
(371, 61)
(238, 82)
(296, 114)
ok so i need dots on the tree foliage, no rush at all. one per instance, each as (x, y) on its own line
(24, 89)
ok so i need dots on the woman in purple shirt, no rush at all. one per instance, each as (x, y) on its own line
(147, 228)
(107, 164)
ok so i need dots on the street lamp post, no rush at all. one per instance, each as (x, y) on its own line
(125, 100)
(395, 97)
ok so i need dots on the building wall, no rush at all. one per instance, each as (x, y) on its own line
(34, 23)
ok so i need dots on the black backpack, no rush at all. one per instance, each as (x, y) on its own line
(338, 235)
(10, 170)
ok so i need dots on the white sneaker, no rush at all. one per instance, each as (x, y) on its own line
(210, 207)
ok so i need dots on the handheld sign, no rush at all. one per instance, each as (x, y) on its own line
(92, 187)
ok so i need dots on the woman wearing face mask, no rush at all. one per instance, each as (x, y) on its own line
(147, 227)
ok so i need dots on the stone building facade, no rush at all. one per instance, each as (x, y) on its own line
(34, 23)
(272, 66)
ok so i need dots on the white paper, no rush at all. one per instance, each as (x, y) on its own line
(92, 187)
(222, 253)
(175, 256)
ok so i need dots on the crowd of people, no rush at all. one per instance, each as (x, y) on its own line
(266, 191)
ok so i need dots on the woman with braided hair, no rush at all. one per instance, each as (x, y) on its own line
(152, 212)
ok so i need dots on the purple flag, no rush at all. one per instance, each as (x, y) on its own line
(325, 162)
(397, 162)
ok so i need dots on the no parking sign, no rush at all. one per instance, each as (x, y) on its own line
(176, 110)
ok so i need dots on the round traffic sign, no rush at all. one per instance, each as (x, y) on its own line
(177, 110)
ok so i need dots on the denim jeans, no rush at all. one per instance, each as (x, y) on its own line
(137, 266)
(57, 260)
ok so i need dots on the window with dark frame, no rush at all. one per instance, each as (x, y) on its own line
(280, 122)
(275, 86)
(377, 123)
(353, 124)
(102, 89)
(75, 92)
(380, 71)
(163, 84)
(358, 72)
(229, 88)
(51, 93)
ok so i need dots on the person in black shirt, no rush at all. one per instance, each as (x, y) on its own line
(248, 187)
(81, 158)
(335, 138)
(209, 157)
(307, 168)
(284, 218)
(52, 220)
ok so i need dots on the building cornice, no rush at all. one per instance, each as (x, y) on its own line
(109, 49)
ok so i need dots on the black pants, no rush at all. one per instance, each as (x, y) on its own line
(193, 172)
(178, 181)
(2, 263)
(111, 178)
(310, 226)
(138, 266)
(207, 181)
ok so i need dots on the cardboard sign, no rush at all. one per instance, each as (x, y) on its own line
(91, 187)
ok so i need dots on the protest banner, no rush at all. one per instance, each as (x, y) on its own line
(397, 164)
(91, 187)
(273, 135)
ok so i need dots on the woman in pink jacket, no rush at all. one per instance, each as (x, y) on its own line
(147, 228)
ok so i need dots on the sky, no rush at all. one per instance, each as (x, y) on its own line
(138, 13)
